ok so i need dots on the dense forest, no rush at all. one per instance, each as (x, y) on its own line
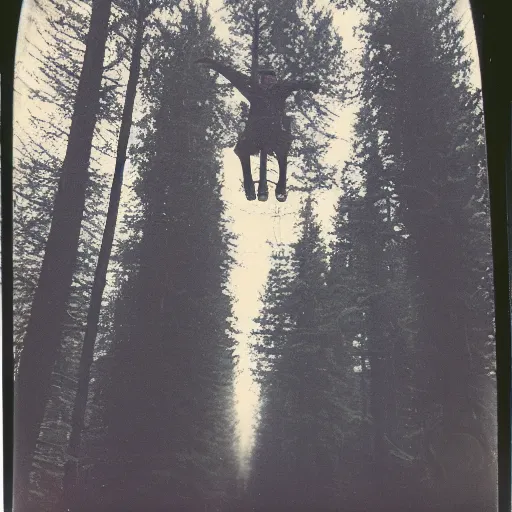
(373, 342)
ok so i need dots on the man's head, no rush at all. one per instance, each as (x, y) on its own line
(267, 78)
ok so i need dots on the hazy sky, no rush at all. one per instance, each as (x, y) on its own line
(255, 223)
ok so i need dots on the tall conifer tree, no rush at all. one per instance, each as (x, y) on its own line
(41, 342)
(50, 85)
(302, 419)
(417, 81)
(169, 426)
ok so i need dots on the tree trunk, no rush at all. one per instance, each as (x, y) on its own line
(255, 43)
(382, 392)
(86, 359)
(44, 329)
(364, 388)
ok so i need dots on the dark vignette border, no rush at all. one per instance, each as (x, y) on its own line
(9, 16)
(492, 20)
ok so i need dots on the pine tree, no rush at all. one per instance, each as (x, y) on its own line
(40, 346)
(274, 325)
(418, 78)
(47, 78)
(274, 320)
(368, 288)
(52, 83)
(303, 419)
(141, 13)
(168, 386)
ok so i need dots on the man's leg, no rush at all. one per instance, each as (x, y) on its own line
(282, 158)
(245, 159)
(262, 185)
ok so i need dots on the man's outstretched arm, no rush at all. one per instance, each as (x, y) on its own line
(300, 85)
(239, 80)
